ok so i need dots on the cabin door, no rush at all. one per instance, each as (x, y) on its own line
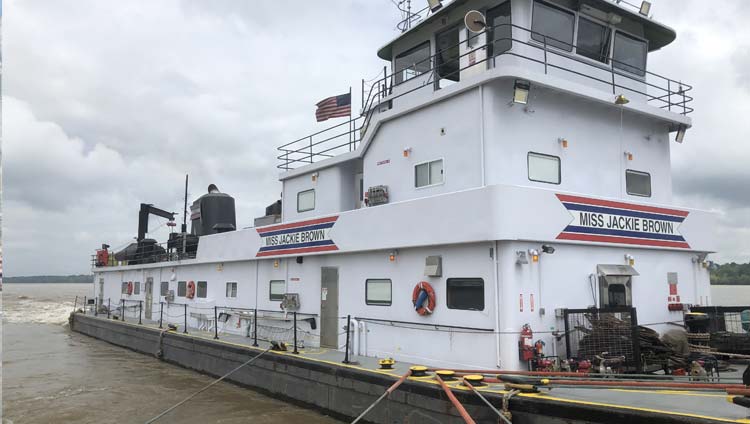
(329, 307)
(149, 296)
(101, 291)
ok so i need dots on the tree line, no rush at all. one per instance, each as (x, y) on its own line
(731, 274)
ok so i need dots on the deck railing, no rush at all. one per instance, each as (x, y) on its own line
(657, 90)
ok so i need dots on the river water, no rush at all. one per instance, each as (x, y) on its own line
(52, 375)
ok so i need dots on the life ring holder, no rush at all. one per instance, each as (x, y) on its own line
(422, 292)
(190, 289)
(130, 288)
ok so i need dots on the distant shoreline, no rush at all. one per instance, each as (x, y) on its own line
(50, 279)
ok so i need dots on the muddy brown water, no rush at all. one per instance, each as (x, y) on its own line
(52, 375)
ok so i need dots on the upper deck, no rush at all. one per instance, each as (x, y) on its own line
(588, 48)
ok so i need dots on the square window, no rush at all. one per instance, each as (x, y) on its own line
(164, 288)
(553, 25)
(124, 287)
(137, 287)
(593, 40)
(544, 168)
(412, 62)
(181, 288)
(231, 289)
(638, 183)
(201, 289)
(465, 293)
(277, 290)
(306, 200)
(630, 54)
(378, 292)
(428, 173)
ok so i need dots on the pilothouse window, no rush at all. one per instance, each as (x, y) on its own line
(554, 25)
(630, 54)
(593, 40)
(638, 183)
(306, 200)
(412, 62)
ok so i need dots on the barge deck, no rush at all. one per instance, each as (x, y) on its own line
(316, 377)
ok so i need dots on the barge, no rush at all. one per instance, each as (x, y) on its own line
(503, 201)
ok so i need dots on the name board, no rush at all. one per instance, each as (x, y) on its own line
(297, 238)
(605, 221)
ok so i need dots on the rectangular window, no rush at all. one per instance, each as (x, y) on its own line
(124, 287)
(428, 173)
(544, 168)
(465, 293)
(306, 200)
(498, 29)
(181, 288)
(412, 62)
(164, 288)
(137, 287)
(231, 289)
(553, 24)
(630, 54)
(277, 289)
(201, 289)
(593, 40)
(638, 183)
(378, 292)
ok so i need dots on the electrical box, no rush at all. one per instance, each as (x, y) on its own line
(377, 195)
(433, 266)
(290, 302)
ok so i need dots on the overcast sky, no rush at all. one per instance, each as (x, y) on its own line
(107, 104)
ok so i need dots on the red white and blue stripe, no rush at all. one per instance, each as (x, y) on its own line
(297, 238)
(644, 235)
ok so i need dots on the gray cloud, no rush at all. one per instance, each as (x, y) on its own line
(109, 104)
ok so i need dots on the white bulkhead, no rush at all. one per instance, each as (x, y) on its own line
(529, 161)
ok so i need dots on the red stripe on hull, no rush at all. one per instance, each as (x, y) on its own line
(297, 224)
(297, 251)
(622, 240)
(611, 204)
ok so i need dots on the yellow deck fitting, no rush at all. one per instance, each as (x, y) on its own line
(446, 375)
(418, 371)
(386, 364)
(475, 379)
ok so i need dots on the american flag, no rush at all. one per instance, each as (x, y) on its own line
(334, 107)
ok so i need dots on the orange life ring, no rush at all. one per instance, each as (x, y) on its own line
(425, 287)
(190, 289)
(130, 288)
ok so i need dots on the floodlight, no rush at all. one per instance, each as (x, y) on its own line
(681, 134)
(434, 5)
(645, 8)
(521, 92)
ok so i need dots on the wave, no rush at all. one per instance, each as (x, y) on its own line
(27, 310)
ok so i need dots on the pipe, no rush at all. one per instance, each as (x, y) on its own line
(496, 276)
(460, 408)
(739, 392)
(579, 375)
(640, 384)
(390, 390)
(355, 343)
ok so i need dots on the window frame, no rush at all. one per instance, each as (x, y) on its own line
(182, 287)
(124, 288)
(559, 168)
(198, 289)
(136, 288)
(607, 63)
(233, 292)
(163, 292)
(448, 291)
(367, 292)
(641, 72)
(563, 9)
(313, 200)
(271, 297)
(399, 73)
(429, 168)
(650, 186)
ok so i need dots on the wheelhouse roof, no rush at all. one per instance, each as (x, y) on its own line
(657, 34)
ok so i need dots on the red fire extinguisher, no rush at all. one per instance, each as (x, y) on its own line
(525, 345)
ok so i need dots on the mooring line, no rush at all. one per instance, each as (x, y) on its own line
(456, 404)
(484, 399)
(248, 362)
(390, 390)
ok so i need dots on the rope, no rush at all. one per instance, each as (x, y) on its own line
(484, 399)
(248, 362)
(386, 393)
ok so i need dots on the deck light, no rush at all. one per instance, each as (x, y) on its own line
(521, 92)
(392, 256)
(621, 100)
(434, 5)
(534, 255)
(681, 134)
(407, 151)
(276, 263)
(628, 155)
(563, 142)
(630, 260)
(314, 176)
(645, 8)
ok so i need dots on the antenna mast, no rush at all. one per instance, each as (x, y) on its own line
(184, 210)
